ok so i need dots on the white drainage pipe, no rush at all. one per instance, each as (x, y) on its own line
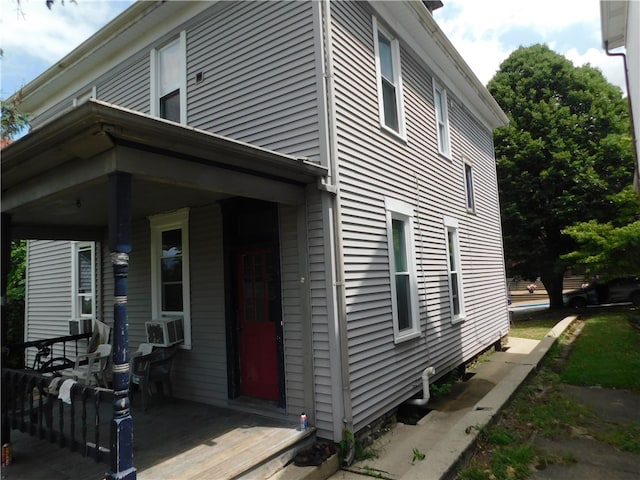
(421, 402)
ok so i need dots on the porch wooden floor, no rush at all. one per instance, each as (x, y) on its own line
(174, 440)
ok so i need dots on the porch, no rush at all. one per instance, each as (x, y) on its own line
(175, 439)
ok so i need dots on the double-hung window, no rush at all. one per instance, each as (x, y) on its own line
(468, 183)
(84, 280)
(456, 297)
(170, 289)
(389, 78)
(404, 285)
(442, 119)
(168, 80)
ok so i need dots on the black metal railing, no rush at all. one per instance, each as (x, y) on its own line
(51, 354)
(31, 403)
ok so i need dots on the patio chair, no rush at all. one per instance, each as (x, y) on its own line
(91, 368)
(152, 368)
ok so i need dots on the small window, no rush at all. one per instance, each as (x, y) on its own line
(456, 297)
(170, 292)
(404, 288)
(468, 182)
(389, 78)
(84, 280)
(168, 80)
(442, 120)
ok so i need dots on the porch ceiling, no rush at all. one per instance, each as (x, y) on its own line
(55, 180)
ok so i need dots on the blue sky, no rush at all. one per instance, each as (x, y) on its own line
(485, 32)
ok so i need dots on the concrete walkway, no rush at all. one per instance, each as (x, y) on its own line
(448, 433)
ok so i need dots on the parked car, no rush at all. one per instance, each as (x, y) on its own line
(620, 290)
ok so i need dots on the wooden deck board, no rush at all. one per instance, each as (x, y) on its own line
(173, 440)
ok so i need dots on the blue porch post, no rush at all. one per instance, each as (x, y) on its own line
(120, 246)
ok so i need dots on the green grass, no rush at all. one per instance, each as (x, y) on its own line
(607, 354)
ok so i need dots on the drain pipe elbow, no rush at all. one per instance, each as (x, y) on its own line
(421, 402)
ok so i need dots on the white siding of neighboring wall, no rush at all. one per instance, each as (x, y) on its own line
(48, 292)
(374, 165)
(259, 86)
(130, 87)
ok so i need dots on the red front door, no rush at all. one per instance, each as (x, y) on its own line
(257, 322)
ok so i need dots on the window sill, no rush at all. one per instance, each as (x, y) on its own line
(406, 337)
(458, 319)
(397, 135)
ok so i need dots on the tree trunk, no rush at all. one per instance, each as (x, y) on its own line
(553, 281)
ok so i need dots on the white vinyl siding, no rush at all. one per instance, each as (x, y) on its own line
(389, 80)
(373, 167)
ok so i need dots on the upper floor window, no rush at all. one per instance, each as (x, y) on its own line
(170, 288)
(468, 182)
(84, 280)
(456, 297)
(442, 119)
(389, 78)
(168, 80)
(404, 285)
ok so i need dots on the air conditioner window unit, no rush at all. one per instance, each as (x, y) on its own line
(78, 326)
(165, 331)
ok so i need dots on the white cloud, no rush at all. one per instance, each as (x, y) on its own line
(486, 32)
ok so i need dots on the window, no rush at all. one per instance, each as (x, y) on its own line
(456, 298)
(390, 106)
(468, 182)
(442, 120)
(404, 286)
(84, 280)
(170, 289)
(168, 80)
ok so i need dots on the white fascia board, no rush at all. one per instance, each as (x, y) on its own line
(135, 29)
(416, 28)
(613, 20)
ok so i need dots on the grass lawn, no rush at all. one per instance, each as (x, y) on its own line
(605, 352)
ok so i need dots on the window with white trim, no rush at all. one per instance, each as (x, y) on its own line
(84, 280)
(404, 285)
(456, 297)
(442, 119)
(169, 80)
(389, 79)
(170, 288)
(468, 183)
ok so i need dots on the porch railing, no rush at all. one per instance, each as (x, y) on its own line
(32, 406)
(51, 354)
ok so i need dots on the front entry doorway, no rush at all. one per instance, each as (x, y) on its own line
(255, 346)
(257, 320)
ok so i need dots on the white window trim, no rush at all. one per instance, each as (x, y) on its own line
(396, 209)
(445, 113)
(451, 225)
(155, 99)
(76, 310)
(468, 163)
(395, 53)
(159, 224)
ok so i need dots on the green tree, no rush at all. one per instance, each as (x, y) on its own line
(565, 152)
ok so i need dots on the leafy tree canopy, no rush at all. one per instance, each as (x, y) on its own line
(566, 151)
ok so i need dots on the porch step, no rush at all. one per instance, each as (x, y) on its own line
(321, 472)
(279, 460)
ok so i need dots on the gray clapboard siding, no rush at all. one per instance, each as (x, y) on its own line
(374, 165)
(48, 292)
(129, 86)
(259, 86)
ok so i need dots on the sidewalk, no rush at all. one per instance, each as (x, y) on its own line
(447, 434)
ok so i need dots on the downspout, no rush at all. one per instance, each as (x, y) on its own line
(421, 402)
(332, 186)
(636, 177)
